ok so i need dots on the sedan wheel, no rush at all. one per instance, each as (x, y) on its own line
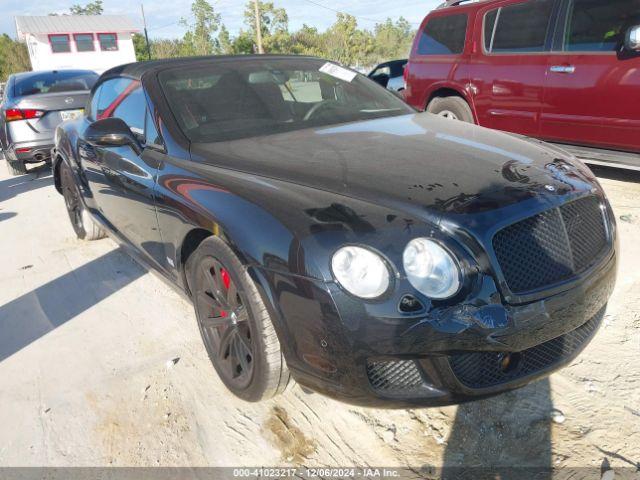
(235, 324)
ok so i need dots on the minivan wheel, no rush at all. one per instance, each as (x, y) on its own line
(81, 221)
(234, 323)
(452, 108)
(16, 168)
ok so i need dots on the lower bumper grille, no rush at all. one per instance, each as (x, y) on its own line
(487, 369)
(553, 246)
(394, 377)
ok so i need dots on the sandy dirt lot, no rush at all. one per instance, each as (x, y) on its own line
(101, 364)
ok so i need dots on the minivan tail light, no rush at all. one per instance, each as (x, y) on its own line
(12, 114)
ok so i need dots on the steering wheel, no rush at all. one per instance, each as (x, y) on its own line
(318, 107)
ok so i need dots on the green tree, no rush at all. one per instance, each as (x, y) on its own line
(225, 43)
(14, 57)
(165, 48)
(392, 40)
(199, 38)
(274, 26)
(140, 47)
(344, 42)
(91, 8)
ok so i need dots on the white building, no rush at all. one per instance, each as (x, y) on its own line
(91, 42)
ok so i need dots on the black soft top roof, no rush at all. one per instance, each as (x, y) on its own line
(138, 70)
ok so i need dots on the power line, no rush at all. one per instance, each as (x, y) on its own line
(345, 13)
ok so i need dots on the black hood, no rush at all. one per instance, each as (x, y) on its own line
(419, 160)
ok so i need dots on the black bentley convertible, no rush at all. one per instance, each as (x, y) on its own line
(326, 231)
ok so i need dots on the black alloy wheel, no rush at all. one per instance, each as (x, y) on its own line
(234, 322)
(72, 202)
(224, 323)
(81, 221)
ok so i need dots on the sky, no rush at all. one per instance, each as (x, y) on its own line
(163, 15)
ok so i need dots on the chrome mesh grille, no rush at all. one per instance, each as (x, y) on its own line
(552, 246)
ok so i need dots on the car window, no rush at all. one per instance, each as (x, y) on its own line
(443, 35)
(397, 69)
(489, 28)
(131, 108)
(302, 88)
(51, 82)
(386, 70)
(518, 28)
(262, 97)
(93, 103)
(150, 131)
(111, 92)
(597, 26)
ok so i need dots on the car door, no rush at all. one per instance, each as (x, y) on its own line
(135, 173)
(593, 85)
(509, 66)
(98, 168)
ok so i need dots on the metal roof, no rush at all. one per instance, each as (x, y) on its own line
(74, 24)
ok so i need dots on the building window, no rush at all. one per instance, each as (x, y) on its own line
(108, 42)
(84, 42)
(60, 43)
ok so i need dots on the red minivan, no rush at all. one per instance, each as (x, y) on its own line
(565, 71)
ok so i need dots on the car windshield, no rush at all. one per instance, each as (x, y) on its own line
(232, 99)
(52, 82)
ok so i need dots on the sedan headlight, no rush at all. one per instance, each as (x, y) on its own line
(360, 271)
(431, 269)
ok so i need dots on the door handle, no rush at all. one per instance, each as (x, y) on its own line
(563, 69)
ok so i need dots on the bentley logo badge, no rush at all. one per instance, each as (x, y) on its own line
(551, 188)
(68, 100)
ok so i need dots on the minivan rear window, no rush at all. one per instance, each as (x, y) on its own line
(518, 28)
(444, 35)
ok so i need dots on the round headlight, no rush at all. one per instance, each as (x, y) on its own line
(431, 269)
(360, 271)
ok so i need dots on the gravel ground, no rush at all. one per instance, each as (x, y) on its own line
(101, 364)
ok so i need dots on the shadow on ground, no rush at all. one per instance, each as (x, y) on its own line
(38, 312)
(38, 177)
(505, 437)
(618, 174)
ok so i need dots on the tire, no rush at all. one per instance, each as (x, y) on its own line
(235, 324)
(454, 108)
(16, 168)
(81, 221)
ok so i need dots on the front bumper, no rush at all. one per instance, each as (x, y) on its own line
(446, 356)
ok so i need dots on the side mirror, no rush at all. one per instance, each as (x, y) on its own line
(632, 39)
(112, 132)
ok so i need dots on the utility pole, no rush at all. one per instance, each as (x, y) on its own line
(258, 27)
(146, 35)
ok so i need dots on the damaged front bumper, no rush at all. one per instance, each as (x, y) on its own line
(450, 355)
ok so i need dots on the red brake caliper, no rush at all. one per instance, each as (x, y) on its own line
(227, 281)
